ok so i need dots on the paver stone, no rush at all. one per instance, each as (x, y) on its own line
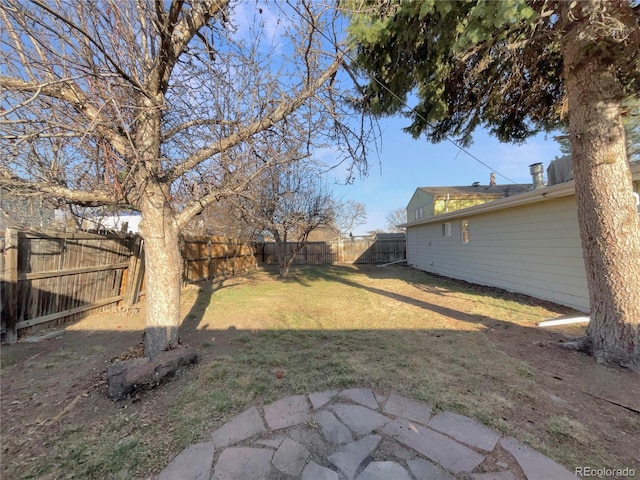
(465, 430)
(287, 412)
(273, 442)
(241, 463)
(384, 471)
(335, 431)
(349, 457)
(423, 469)
(400, 406)
(360, 420)
(193, 463)
(290, 457)
(450, 454)
(313, 471)
(535, 465)
(242, 426)
(320, 399)
(363, 396)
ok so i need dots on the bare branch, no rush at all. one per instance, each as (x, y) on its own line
(194, 123)
(286, 107)
(68, 91)
(78, 197)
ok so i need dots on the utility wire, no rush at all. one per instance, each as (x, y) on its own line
(372, 77)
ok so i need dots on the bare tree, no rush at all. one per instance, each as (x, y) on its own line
(222, 218)
(154, 106)
(348, 215)
(288, 201)
(396, 217)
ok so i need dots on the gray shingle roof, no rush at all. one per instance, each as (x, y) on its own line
(496, 191)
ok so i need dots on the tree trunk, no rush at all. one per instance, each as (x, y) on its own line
(163, 264)
(609, 225)
(284, 270)
(160, 231)
(283, 259)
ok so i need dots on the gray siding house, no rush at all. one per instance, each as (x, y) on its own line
(527, 243)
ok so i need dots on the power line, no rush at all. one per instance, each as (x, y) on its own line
(372, 77)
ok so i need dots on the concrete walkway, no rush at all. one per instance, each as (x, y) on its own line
(358, 434)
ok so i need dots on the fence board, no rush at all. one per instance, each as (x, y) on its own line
(49, 278)
(10, 277)
(366, 250)
(208, 257)
(65, 275)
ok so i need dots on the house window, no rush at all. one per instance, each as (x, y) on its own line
(446, 229)
(418, 213)
(464, 231)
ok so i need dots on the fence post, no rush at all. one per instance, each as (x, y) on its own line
(136, 272)
(10, 309)
(210, 264)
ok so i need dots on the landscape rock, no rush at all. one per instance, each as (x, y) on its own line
(127, 377)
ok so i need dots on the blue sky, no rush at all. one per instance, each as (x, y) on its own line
(406, 164)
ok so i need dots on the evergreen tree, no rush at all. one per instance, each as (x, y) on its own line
(516, 68)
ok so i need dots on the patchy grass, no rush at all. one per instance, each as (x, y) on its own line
(455, 347)
(7, 360)
(566, 429)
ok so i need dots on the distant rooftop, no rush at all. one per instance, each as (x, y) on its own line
(478, 190)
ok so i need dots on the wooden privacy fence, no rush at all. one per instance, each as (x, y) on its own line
(49, 279)
(357, 250)
(208, 257)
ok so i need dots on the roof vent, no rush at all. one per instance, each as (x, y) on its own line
(536, 174)
(475, 184)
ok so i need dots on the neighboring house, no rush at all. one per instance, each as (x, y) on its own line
(115, 222)
(527, 243)
(323, 234)
(429, 201)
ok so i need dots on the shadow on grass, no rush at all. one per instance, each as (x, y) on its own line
(423, 281)
(501, 381)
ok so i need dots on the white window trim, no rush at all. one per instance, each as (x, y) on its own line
(464, 229)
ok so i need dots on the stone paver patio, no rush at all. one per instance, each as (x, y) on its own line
(361, 435)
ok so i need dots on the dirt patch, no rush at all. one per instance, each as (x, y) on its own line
(455, 346)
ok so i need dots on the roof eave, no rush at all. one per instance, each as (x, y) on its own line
(534, 196)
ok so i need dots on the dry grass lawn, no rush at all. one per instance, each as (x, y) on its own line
(471, 350)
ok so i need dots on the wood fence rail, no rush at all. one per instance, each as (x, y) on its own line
(49, 279)
(350, 251)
